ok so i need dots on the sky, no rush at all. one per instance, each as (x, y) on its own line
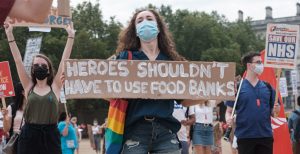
(123, 9)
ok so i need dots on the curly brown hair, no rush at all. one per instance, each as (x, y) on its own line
(50, 67)
(128, 39)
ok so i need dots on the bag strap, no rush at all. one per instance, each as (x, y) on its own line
(21, 121)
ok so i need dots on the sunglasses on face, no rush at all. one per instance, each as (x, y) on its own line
(40, 65)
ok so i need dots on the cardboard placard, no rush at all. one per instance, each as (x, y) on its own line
(6, 84)
(53, 20)
(94, 78)
(33, 47)
(283, 87)
(294, 81)
(281, 46)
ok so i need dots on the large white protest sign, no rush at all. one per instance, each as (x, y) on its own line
(294, 81)
(283, 87)
(33, 47)
(281, 46)
(92, 78)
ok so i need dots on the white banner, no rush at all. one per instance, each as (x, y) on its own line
(294, 81)
(283, 87)
(33, 47)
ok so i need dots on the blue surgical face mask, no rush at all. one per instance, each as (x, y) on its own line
(147, 30)
(259, 68)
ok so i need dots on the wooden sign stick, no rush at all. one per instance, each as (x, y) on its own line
(65, 105)
(3, 102)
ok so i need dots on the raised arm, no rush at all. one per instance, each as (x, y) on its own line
(66, 55)
(25, 79)
(31, 10)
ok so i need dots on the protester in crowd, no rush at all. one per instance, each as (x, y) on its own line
(67, 132)
(217, 131)
(74, 124)
(253, 109)
(203, 138)
(186, 116)
(294, 126)
(232, 137)
(13, 114)
(148, 39)
(42, 92)
(28, 10)
(221, 110)
(219, 123)
(97, 131)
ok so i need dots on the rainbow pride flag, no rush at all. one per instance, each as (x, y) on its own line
(115, 127)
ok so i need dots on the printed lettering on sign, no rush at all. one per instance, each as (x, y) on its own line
(6, 84)
(281, 46)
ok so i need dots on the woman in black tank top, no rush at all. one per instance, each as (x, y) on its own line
(42, 92)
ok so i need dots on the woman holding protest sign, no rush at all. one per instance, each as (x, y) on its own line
(42, 92)
(149, 124)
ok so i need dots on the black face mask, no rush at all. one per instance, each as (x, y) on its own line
(40, 72)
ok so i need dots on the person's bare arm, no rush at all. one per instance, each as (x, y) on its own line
(24, 78)
(31, 10)
(66, 129)
(6, 120)
(57, 82)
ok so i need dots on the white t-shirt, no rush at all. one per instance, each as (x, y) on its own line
(95, 129)
(17, 120)
(204, 114)
(179, 114)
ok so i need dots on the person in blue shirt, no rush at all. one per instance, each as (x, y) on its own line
(68, 134)
(294, 126)
(254, 108)
(149, 124)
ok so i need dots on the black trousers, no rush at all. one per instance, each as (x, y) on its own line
(39, 139)
(255, 145)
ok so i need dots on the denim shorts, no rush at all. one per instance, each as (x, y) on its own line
(151, 137)
(203, 135)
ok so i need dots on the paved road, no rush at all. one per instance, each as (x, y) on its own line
(85, 148)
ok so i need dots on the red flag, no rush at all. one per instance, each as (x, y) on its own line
(282, 143)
